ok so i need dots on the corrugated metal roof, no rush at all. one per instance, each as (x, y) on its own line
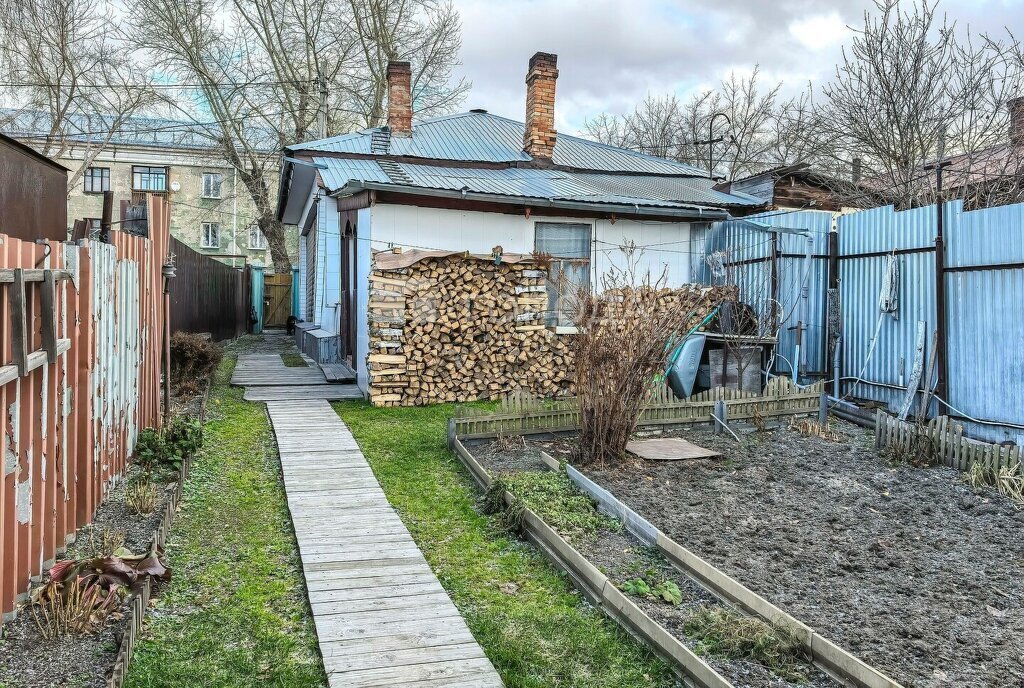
(483, 137)
(532, 183)
(148, 132)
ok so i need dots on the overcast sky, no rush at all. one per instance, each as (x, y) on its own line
(612, 53)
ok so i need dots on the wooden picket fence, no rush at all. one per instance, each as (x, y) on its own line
(947, 443)
(523, 414)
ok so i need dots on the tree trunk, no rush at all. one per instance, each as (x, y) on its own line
(274, 232)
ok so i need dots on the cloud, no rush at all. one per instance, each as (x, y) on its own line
(611, 54)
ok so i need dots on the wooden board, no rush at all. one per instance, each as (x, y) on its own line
(381, 616)
(330, 392)
(669, 449)
(338, 372)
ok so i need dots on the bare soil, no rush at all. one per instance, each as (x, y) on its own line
(910, 569)
(623, 558)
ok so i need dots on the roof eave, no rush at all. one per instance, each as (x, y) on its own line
(689, 212)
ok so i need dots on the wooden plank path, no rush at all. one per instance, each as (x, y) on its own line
(269, 370)
(382, 617)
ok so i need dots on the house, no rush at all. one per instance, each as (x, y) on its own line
(211, 209)
(32, 193)
(790, 187)
(482, 184)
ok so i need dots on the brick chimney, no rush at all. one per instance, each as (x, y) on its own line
(539, 137)
(400, 98)
(1016, 108)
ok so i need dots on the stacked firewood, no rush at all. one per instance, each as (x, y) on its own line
(455, 328)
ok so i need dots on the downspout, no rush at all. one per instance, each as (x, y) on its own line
(234, 212)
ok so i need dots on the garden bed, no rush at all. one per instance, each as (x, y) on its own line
(85, 660)
(674, 601)
(910, 569)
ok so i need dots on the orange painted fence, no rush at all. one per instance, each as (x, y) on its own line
(82, 330)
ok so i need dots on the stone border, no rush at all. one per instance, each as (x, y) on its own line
(140, 603)
(601, 591)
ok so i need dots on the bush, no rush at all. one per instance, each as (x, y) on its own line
(193, 360)
(182, 437)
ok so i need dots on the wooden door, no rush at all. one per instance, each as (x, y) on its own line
(277, 299)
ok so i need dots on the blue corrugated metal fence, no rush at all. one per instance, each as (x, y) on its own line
(984, 284)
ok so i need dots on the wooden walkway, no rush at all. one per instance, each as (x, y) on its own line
(266, 378)
(381, 616)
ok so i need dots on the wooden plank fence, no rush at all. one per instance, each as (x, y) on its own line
(523, 414)
(81, 328)
(948, 445)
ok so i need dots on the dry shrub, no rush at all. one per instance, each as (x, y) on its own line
(625, 336)
(140, 496)
(193, 360)
(74, 607)
(1008, 481)
(812, 428)
(104, 541)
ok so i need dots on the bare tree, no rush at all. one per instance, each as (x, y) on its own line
(758, 129)
(259, 69)
(424, 32)
(70, 72)
(908, 80)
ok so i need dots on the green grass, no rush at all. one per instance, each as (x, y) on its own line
(553, 497)
(235, 612)
(535, 629)
(294, 360)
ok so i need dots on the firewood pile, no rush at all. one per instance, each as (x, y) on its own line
(460, 327)
(456, 327)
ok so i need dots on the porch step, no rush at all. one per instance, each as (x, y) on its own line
(338, 372)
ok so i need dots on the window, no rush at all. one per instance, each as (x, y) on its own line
(568, 244)
(97, 179)
(149, 178)
(211, 184)
(256, 238)
(210, 235)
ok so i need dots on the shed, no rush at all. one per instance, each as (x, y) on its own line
(33, 193)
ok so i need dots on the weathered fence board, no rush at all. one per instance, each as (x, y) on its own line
(81, 328)
(522, 414)
(947, 443)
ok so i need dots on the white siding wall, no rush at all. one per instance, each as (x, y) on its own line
(669, 246)
(455, 230)
(328, 266)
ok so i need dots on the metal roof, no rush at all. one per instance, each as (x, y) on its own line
(533, 183)
(483, 137)
(147, 132)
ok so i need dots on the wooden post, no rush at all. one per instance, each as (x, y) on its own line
(49, 324)
(823, 410)
(19, 322)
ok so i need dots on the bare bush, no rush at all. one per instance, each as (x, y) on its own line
(626, 333)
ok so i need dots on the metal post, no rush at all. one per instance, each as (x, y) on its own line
(833, 290)
(941, 390)
(107, 218)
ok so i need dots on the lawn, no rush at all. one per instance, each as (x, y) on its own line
(534, 627)
(235, 613)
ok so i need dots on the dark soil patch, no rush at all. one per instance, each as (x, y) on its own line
(507, 457)
(623, 559)
(911, 570)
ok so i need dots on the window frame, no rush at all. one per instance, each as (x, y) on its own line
(254, 231)
(203, 227)
(220, 186)
(556, 318)
(89, 179)
(149, 173)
